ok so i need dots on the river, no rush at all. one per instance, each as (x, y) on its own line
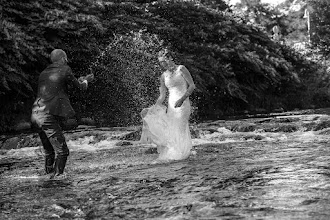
(258, 168)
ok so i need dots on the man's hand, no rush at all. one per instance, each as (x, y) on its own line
(89, 77)
(81, 79)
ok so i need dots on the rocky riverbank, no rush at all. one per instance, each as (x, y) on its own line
(255, 168)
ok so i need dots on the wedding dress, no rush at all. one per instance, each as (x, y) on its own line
(168, 127)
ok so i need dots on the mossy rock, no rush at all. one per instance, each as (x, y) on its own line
(249, 127)
(322, 125)
(281, 128)
(132, 136)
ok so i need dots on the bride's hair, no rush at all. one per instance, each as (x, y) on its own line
(166, 53)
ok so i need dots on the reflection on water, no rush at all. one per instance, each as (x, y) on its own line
(234, 175)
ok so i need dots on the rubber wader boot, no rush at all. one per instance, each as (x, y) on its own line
(60, 165)
(49, 163)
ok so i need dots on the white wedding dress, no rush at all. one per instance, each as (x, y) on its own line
(168, 128)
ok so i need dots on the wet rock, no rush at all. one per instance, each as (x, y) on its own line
(6, 165)
(244, 112)
(215, 123)
(322, 125)
(21, 126)
(70, 124)
(325, 131)
(309, 201)
(254, 137)
(288, 128)
(97, 138)
(260, 111)
(285, 120)
(309, 126)
(278, 110)
(151, 150)
(132, 136)
(61, 211)
(215, 136)
(87, 121)
(210, 130)
(20, 142)
(55, 216)
(57, 208)
(123, 143)
(194, 133)
(29, 141)
(10, 143)
(264, 120)
(281, 128)
(248, 127)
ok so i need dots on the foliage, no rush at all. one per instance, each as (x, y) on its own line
(320, 22)
(26, 39)
(292, 18)
(236, 66)
(239, 60)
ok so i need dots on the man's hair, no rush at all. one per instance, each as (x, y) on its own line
(56, 55)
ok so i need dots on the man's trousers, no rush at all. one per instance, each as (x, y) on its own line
(49, 129)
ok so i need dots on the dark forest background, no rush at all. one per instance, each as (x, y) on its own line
(237, 65)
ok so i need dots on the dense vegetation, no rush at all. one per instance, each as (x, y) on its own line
(235, 64)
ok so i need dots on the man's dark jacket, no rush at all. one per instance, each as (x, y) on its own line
(52, 90)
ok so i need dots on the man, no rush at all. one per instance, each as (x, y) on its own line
(52, 107)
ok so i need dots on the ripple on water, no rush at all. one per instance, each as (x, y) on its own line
(278, 178)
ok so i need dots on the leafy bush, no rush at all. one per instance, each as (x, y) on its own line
(235, 65)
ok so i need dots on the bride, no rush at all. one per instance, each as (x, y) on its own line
(168, 127)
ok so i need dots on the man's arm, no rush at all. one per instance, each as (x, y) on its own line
(82, 83)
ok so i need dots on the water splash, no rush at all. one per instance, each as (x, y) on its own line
(126, 79)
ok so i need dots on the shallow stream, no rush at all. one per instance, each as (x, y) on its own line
(233, 175)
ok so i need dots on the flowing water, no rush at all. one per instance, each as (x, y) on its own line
(232, 175)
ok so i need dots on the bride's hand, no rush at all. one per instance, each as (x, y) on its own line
(178, 103)
(159, 103)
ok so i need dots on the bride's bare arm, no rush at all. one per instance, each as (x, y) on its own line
(162, 91)
(191, 85)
